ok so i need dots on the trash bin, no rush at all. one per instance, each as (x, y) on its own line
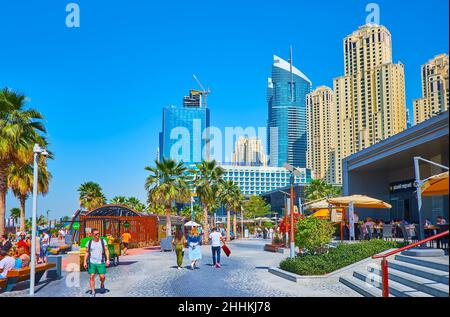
(55, 273)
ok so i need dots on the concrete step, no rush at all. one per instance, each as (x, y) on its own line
(422, 271)
(418, 283)
(437, 263)
(361, 287)
(395, 288)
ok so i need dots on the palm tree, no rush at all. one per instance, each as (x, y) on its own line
(118, 200)
(135, 204)
(20, 129)
(229, 194)
(20, 180)
(237, 206)
(15, 214)
(91, 196)
(319, 189)
(207, 187)
(167, 183)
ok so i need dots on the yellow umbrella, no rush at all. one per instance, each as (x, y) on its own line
(322, 213)
(359, 201)
(436, 185)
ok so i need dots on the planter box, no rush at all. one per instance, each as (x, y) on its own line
(273, 247)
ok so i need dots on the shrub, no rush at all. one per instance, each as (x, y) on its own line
(337, 258)
(313, 234)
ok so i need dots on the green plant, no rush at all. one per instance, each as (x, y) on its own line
(313, 235)
(256, 206)
(319, 189)
(337, 258)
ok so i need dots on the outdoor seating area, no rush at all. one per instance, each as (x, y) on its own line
(15, 276)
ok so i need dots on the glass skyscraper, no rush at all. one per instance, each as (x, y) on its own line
(286, 97)
(183, 128)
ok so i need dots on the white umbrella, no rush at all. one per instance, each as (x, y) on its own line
(192, 224)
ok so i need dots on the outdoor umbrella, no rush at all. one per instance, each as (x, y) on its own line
(436, 185)
(192, 224)
(359, 201)
(317, 205)
(321, 213)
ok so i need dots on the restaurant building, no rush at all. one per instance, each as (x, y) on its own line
(386, 171)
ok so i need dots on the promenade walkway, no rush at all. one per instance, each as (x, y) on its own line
(153, 273)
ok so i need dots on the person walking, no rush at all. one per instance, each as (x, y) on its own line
(216, 238)
(195, 253)
(45, 242)
(38, 249)
(126, 237)
(96, 260)
(179, 242)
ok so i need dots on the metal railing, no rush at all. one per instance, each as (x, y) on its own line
(384, 262)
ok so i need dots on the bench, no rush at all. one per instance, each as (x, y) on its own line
(21, 275)
(61, 250)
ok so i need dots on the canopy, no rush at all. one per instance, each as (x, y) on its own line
(359, 201)
(317, 205)
(192, 224)
(436, 185)
(322, 213)
(263, 219)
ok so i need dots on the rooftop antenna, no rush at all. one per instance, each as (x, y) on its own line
(292, 73)
(205, 92)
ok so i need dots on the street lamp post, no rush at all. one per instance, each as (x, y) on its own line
(37, 150)
(292, 241)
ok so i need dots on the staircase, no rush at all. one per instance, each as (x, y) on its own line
(408, 277)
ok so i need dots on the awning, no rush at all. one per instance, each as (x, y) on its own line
(436, 185)
(359, 201)
(322, 213)
(317, 205)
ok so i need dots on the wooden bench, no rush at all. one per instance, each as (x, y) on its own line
(21, 275)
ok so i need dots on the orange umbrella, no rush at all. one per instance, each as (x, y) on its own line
(436, 185)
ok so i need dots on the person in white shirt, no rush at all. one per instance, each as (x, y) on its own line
(7, 263)
(216, 238)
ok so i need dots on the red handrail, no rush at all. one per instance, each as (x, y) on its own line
(384, 262)
(410, 246)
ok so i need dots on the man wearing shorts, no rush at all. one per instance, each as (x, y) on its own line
(96, 260)
(126, 237)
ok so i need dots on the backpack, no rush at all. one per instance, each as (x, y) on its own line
(103, 251)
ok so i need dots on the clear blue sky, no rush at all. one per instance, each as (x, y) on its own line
(102, 86)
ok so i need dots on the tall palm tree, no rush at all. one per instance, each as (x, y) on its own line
(135, 204)
(207, 188)
(319, 189)
(20, 180)
(118, 200)
(15, 214)
(20, 129)
(166, 183)
(237, 206)
(91, 196)
(229, 194)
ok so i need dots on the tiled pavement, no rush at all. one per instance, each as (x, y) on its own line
(152, 273)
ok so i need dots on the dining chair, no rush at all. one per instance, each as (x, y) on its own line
(387, 232)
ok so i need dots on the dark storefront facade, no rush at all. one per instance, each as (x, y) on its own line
(386, 171)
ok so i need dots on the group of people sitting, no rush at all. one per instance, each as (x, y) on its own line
(15, 252)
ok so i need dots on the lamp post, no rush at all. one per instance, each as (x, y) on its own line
(294, 172)
(48, 220)
(37, 150)
(285, 215)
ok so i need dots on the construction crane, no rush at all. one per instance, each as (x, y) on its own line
(204, 92)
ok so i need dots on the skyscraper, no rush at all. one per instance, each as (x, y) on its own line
(435, 90)
(249, 152)
(182, 137)
(286, 97)
(370, 97)
(321, 131)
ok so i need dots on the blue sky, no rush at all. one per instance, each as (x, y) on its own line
(102, 86)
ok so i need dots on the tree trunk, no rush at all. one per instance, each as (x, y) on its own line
(168, 221)
(235, 226)
(206, 225)
(3, 190)
(22, 213)
(228, 224)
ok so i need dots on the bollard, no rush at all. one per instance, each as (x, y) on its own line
(55, 273)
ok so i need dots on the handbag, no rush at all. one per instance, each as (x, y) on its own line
(226, 249)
